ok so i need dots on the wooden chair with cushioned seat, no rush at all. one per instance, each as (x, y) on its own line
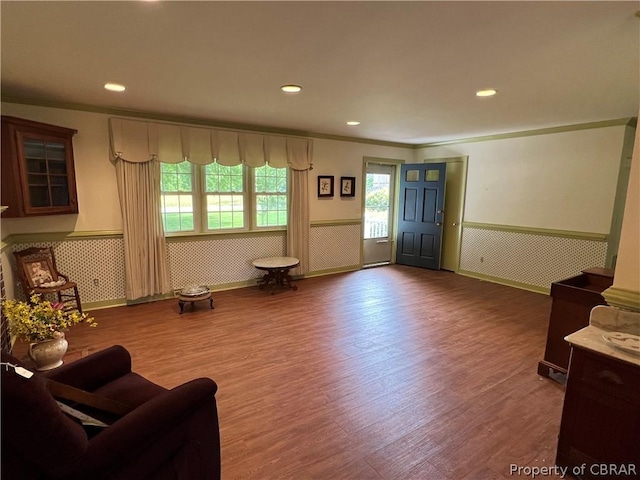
(39, 274)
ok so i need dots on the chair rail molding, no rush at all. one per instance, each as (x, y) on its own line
(622, 298)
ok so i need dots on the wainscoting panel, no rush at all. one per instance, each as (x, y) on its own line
(527, 259)
(335, 247)
(220, 261)
(531, 260)
(96, 265)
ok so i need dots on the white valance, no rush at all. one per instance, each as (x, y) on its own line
(139, 141)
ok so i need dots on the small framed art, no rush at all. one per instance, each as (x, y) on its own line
(38, 272)
(347, 186)
(325, 185)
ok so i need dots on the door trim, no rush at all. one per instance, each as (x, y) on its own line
(377, 250)
(392, 228)
(464, 159)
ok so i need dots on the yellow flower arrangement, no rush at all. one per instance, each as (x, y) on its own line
(40, 320)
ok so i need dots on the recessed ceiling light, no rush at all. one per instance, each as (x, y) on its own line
(489, 92)
(353, 123)
(114, 87)
(291, 88)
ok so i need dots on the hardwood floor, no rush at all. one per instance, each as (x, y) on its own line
(386, 373)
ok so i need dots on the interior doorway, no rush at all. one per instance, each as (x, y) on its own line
(379, 212)
(453, 210)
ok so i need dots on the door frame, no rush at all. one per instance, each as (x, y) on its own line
(377, 251)
(393, 202)
(464, 159)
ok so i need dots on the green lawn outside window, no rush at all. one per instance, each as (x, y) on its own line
(220, 192)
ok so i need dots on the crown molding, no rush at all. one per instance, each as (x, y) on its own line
(121, 112)
(632, 122)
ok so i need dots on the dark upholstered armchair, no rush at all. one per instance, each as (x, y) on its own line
(168, 434)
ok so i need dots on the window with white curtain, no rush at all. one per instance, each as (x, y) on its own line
(220, 198)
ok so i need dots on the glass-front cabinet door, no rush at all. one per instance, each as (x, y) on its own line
(47, 173)
(39, 165)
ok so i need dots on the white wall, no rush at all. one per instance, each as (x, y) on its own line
(98, 193)
(334, 247)
(564, 181)
(538, 208)
(344, 159)
(561, 181)
(627, 276)
(99, 207)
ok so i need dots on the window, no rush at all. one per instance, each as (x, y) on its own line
(214, 197)
(270, 196)
(176, 180)
(377, 211)
(224, 192)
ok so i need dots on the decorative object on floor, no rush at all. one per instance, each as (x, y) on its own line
(39, 274)
(167, 434)
(277, 269)
(40, 321)
(48, 354)
(347, 186)
(192, 294)
(325, 185)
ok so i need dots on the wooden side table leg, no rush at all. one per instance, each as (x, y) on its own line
(211, 302)
(181, 304)
(266, 279)
(288, 279)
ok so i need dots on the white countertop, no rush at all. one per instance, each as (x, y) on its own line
(590, 338)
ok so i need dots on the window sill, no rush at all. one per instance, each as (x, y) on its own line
(191, 236)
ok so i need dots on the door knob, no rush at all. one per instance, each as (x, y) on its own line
(439, 224)
(455, 224)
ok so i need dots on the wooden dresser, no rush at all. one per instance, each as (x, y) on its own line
(573, 299)
(600, 428)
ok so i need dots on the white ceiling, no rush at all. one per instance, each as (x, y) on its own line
(407, 70)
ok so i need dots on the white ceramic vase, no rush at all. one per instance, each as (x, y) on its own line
(48, 353)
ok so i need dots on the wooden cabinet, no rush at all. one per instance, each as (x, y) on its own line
(573, 299)
(600, 424)
(38, 176)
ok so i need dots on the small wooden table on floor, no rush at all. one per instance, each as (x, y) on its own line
(182, 299)
(277, 269)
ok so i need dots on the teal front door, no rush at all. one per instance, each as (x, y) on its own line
(420, 214)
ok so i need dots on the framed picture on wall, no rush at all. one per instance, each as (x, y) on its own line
(347, 186)
(325, 185)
